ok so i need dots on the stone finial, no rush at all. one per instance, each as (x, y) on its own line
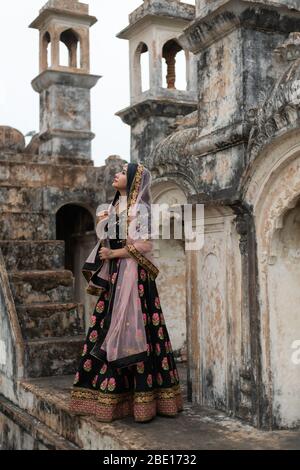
(70, 5)
(290, 49)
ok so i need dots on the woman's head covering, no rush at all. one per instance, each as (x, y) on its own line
(138, 188)
(139, 200)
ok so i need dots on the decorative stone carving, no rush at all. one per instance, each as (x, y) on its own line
(169, 155)
(290, 49)
(280, 108)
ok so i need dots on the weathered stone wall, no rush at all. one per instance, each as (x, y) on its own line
(11, 341)
(204, 7)
(13, 437)
(241, 298)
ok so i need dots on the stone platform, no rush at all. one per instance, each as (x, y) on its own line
(44, 420)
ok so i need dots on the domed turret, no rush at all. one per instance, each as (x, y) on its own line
(11, 139)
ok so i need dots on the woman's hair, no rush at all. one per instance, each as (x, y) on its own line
(131, 171)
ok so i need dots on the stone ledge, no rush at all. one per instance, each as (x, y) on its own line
(40, 433)
(194, 428)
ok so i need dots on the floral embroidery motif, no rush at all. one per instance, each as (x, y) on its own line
(102, 323)
(103, 369)
(155, 319)
(93, 336)
(100, 306)
(167, 346)
(141, 290)
(143, 275)
(157, 302)
(94, 383)
(111, 384)
(157, 349)
(145, 318)
(113, 278)
(149, 380)
(77, 377)
(93, 321)
(165, 364)
(160, 333)
(140, 367)
(87, 365)
(159, 378)
(84, 350)
(103, 385)
(148, 350)
(172, 376)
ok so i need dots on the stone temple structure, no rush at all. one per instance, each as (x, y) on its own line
(230, 141)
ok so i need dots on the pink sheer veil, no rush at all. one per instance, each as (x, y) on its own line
(126, 335)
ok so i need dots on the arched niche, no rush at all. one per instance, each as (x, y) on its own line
(174, 66)
(273, 190)
(141, 63)
(76, 226)
(70, 50)
(46, 51)
(170, 255)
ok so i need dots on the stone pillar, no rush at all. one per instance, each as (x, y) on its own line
(65, 114)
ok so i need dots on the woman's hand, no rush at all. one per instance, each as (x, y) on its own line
(101, 216)
(105, 253)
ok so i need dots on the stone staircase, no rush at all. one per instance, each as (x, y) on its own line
(52, 324)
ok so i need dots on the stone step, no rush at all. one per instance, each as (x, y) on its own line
(53, 356)
(28, 255)
(27, 432)
(46, 320)
(47, 399)
(42, 286)
(27, 225)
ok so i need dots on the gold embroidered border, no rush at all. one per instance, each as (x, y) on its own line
(135, 186)
(143, 261)
(94, 290)
(139, 397)
(84, 393)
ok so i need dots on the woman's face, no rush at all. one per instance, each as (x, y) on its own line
(120, 179)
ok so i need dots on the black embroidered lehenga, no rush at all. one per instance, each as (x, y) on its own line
(141, 385)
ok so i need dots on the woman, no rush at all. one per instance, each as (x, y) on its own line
(127, 365)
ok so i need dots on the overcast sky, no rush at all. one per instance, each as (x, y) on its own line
(19, 104)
